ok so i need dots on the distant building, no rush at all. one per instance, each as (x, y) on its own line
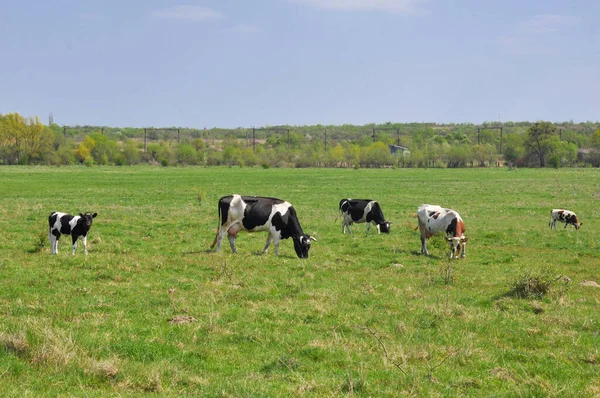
(398, 150)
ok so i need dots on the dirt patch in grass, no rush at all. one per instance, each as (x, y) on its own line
(181, 319)
(589, 284)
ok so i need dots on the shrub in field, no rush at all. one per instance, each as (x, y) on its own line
(533, 284)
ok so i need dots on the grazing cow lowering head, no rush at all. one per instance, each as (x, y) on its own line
(362, 211)
(253, 213)
(76, 226)
(434, 220)
(564, 216)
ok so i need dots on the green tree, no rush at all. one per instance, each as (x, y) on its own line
(131, 153)
(539, 144)
(20, 137)
(513, 148)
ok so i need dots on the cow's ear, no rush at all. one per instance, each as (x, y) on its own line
(94, 215)
(81, 215)
(465, 239)
(389, 222)
(581, 223)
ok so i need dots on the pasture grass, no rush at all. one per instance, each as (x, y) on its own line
(152, 310)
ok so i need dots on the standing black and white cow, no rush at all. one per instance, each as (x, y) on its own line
(434, 220)
(564, 216)
(66, 224)
(362, 211)
(253, 214)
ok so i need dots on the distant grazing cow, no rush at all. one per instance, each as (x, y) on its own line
(564, 216)
(252, 213)
(76, 226)
(434, 220)
(362, 211)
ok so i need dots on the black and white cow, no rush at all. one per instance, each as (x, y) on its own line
(434, 220)
(362, 211)
(564, 216)
(253, 214)
(66, 224)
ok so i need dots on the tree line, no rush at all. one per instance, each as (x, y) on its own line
(26, 140)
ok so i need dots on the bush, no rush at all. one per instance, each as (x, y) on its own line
(532, 284)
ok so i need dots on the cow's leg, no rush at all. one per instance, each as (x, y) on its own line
(553, 225)
(347, 222)
(566, 224)
(219, 238)
(232, 243)
(84, 239)
(54, 237)
(75, 237)
(269, 240)
(368, 227)
(378, 229)
(276, 241)
(463, 252)
(424, 244)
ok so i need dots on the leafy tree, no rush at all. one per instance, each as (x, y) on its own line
(131, 152)
(105, 150)
(539, 143)
(513, 148)
(20, 137)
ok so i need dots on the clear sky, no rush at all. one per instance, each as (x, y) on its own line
(230, 63)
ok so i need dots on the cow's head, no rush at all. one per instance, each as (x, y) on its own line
(456, 245)
(302, 245)
(578, 225)
(384, 227)
(87, 219)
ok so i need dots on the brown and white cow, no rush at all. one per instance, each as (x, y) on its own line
(254, 213)
(564, 216)
(434, 220)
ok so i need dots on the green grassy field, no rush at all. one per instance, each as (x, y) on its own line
(152, 310)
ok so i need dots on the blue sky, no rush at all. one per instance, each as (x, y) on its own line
(196, 63)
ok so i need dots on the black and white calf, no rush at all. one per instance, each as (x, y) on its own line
(564, 216)
(66, 224)
(253, 214)
(362, 211)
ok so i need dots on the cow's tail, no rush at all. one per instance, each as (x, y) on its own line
(218, 226)
(412, 226)
(338, 215)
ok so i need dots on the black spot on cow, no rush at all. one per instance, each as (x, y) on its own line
(435, 216)
(451, 229)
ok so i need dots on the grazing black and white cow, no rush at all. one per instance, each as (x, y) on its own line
(362, 211)
(564, 216)
(253, 214)
(66, 224)
(434, 220)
